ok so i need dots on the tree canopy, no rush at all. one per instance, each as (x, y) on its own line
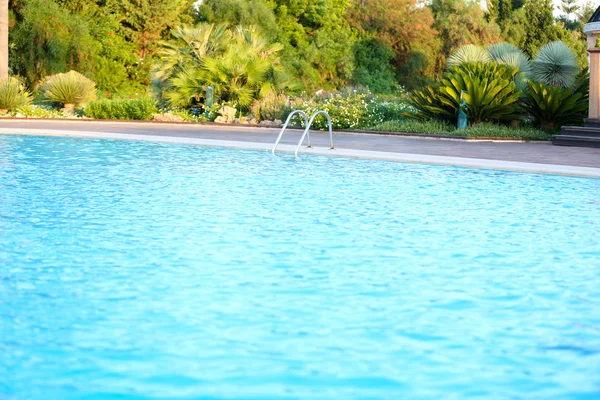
(323, 44)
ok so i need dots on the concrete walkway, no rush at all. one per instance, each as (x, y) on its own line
(533, 157)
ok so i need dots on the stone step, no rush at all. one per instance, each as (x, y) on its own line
(591, 123)
(581, 131)
(574, 140)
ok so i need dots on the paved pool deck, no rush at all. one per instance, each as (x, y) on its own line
(538, 157)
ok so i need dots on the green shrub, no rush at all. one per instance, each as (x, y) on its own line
(490, 94)
(70, 89)
(555, 106)
(13, 94)
(188, 115)
(373, 65)
(36, 111)
(350, 109)
(390, 110)
(137, 109)
(272, 107)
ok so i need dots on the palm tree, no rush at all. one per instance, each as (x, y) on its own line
(556, 64)
(240, 65)
(3, 38)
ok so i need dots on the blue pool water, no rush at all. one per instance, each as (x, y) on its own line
(140, 270)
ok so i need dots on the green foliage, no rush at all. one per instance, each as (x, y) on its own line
(87, 36)
(555, 106)
(495, 131)
(68, 88)
(468, 54)
(318, 41)
(500, 11)
(373, 66)
(241, 65)
(506, 53)
(555, 64)
(479, 131)
(145, 20)
(569, 7)
(348, 109)
(461, 22)
(539, 26)
(189, 115)
(240, 12)
(36, 111)
(390, 109)
(272, 107)
(116, 65)
(488, 89)
(48, 40)
(137, 109)
(398, 26)
(435, 127)
(13, 94)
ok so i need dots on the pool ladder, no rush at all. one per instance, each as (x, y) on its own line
(306, 133)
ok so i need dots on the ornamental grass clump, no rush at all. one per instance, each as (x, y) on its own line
(70, 89)
(12, 94)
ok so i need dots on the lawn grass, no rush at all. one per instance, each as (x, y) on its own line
(480, 131)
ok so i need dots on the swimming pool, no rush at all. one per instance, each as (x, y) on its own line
(144, 270)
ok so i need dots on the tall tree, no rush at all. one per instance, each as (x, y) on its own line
(461, 22)
(43, 49)
(585, 12)
(318, 41)
(241, 12)
(401, 26)
(500, 11)
(146, 20)
(569, 7)
(3, 38)
(539, 25)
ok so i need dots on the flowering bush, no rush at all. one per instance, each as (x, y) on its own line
(350, 109)
(37, 111)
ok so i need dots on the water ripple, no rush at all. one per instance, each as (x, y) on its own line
(143, 270)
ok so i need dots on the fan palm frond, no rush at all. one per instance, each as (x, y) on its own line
(555, 64)
(468, 54)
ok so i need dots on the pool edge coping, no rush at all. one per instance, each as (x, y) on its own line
(514, 166)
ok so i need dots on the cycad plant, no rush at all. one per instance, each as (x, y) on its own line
(12, 94)
(555, 64)
(488, 90)
(555, 106)
(70, 89)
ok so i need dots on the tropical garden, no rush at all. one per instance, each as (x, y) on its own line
(512, 67)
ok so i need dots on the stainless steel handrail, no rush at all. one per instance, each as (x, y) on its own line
(312, 119)
(303, 114)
